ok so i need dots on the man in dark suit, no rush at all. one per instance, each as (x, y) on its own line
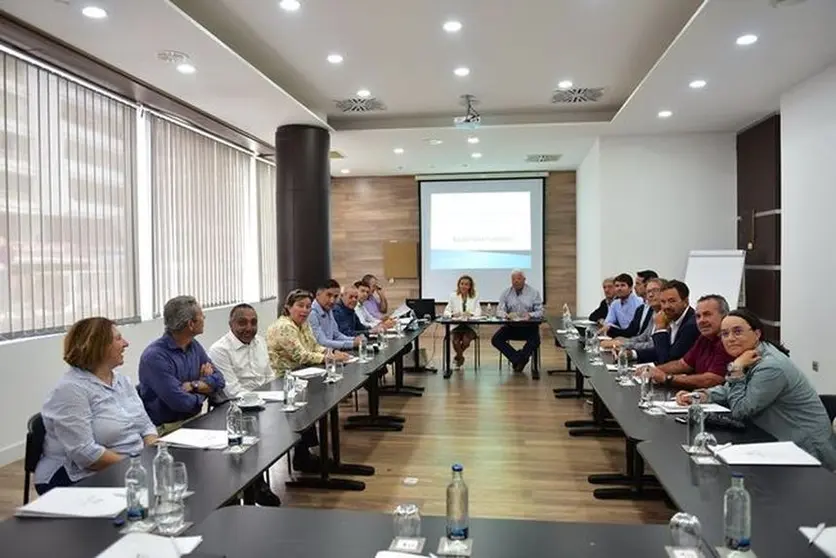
(675, 326)
(600, 313)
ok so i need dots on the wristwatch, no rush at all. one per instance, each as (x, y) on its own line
(668, 380)
(732, 368)
(195, 385)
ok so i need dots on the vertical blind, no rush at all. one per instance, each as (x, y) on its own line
(267, 257)
(67, 214)
(199, 211)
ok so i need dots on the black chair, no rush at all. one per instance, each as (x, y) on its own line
(829, 402)
(35, 434)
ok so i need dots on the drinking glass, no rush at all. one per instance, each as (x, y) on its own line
(249, 429)
(330, 363)
(686, 530)
(301, 393)
(363, 351)
(407, 520)
(289, 392)
(703, 442)
(181, 479)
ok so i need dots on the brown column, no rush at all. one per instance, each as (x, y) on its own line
(303, 207)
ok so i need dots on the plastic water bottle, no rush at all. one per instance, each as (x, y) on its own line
(696, 419)
(489, 311)
(162, 471)
(623, 364)
(363, 351)
(458, 520)
(234, 418)
(737, 515)
(646, 386)
(136, 490)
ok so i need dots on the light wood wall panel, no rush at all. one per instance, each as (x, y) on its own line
(367, 211)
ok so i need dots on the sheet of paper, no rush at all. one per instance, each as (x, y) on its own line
(826, 542)
(272, 395)
(145, 545)
(352, 359)
(401, 311)
(768, 453)
(310, 372)
(197, 438)
(76, 501)
(674, 408)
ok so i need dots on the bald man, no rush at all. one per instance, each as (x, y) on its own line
(523, 303)
(348, 322)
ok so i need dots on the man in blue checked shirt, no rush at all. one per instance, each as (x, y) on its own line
(175, 373)
(523, 303)
(624, 305)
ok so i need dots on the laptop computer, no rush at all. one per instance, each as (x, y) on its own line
(422, 307)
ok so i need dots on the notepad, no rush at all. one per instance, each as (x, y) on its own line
(826, 542)
(136, 545)
(310, 372)
(271, 395)
(196, 438)
(76, 501)
(674, 408)
(767, 453)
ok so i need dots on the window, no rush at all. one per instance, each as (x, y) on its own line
(67, 191)
(267, 257)
(199, 215)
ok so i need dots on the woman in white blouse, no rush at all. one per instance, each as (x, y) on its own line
(462, 304)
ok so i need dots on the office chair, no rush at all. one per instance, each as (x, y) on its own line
(829, 402)
(35, 434)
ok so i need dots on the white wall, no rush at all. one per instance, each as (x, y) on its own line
(31, 367)
(588, 239)
(808, 195)
(659, 197)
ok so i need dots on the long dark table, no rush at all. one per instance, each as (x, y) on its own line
(247, 532)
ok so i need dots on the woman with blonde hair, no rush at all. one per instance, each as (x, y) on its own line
(94, 416)
(463, 304)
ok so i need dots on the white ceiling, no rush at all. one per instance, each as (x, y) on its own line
(260, 67)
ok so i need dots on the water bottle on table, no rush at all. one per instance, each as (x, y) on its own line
(136, 491)
(457, 513)
(696, 420)
(737, 515)
(234, 418)
(623, 366)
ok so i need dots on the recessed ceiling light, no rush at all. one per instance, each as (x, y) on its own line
(746, 40)
(363, 93)
(697, 84)
(290, 5)
(565, 84)
(472, 139)
(452, 26)
(434, 141)
(186, 68)
(398, 150)
(462, 71)
(335, 58)
(476, 155)
(665, 114)
(345, 171)
(94, 12)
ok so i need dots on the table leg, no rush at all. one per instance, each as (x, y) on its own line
(600, 425)
(416, 367)
(575, 392)
(336, 465)
(447, 370)
(325, 481)
(374, 420)
(399, 388)
(637, 490)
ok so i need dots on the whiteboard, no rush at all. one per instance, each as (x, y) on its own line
(715, 272)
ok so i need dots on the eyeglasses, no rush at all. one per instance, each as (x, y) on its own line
(657, 290)
(734, 332)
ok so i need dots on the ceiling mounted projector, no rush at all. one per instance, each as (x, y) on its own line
(471, 118)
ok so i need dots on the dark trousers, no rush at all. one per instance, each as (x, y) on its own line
(517, 332)
(60, 478)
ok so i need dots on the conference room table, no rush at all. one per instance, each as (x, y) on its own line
(448, 323)
(249, 532)
(783, 498)
(216, 477)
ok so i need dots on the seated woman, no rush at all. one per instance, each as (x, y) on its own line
(765, 387)
(94, 416)
(291, 344)
(462, 304)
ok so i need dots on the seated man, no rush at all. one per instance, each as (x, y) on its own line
(344, 311)
(175, 373)
(675, 326)
(624, 306)
(241, 356)
(600, 314)
(643, 314)
(363, 314)
(322, 321)
(705, 365)
(643, 321)
(376, 303)
(522, 302)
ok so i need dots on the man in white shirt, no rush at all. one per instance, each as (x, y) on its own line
(366, 318)
(241, 356)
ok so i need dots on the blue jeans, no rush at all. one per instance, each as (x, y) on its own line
(60, 478)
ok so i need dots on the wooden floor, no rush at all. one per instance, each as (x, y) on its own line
(507, 431)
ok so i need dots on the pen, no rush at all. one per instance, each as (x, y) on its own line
(817, 534)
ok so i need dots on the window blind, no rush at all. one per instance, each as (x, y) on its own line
(268, 257)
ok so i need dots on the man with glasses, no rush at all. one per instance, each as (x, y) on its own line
(705, 364)
(643, 322)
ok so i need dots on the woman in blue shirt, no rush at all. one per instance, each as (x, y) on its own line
(94, 416)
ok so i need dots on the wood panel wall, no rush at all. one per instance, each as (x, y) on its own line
(368, 211)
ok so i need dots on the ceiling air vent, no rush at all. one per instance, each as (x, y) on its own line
(357, 104)
(542, 158)
(577, 95)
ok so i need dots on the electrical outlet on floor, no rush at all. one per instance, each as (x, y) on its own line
(815, 366)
